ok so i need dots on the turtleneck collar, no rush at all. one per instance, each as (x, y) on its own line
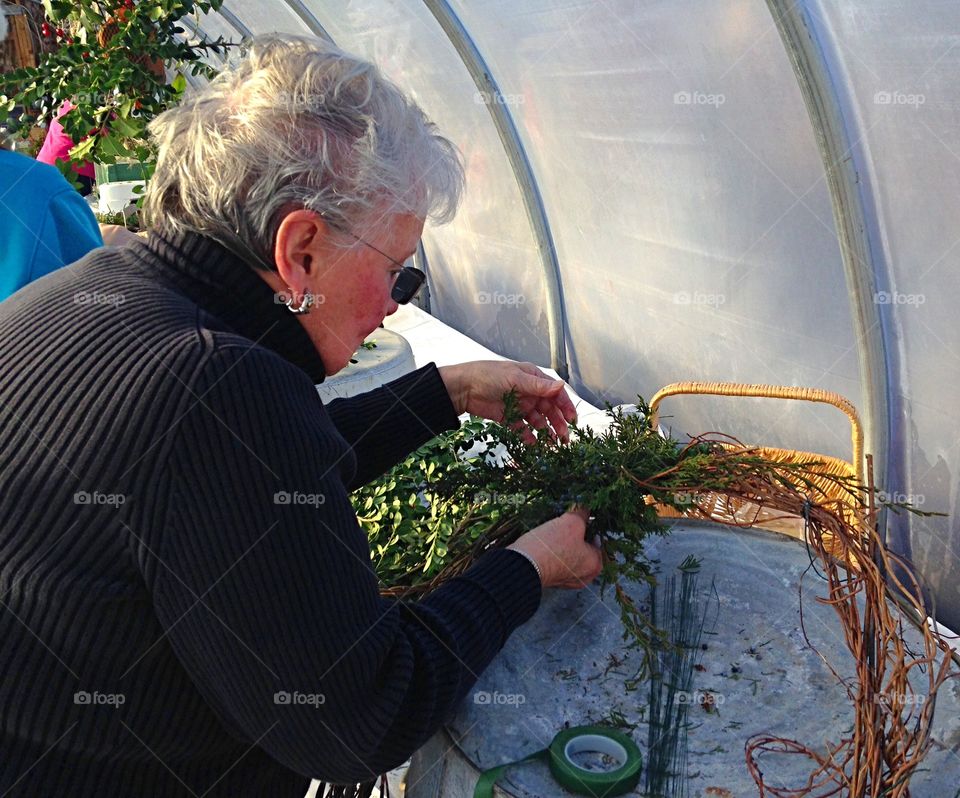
(223, 284)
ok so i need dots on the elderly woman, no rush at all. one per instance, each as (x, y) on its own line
(169, 625)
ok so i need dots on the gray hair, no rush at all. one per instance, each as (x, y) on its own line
(296, 123)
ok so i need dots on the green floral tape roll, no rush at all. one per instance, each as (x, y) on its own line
(613, 745)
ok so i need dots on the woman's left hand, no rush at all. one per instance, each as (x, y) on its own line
(478, 388)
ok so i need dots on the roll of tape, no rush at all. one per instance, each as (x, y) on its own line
(559, 756)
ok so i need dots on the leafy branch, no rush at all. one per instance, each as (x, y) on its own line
(110, 63)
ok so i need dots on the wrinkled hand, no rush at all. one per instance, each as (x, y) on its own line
(478, 388)
(566, 560)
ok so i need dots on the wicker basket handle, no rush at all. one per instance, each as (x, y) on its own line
(771, 392)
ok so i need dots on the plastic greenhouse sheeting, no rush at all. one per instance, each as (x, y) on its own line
(729, 190)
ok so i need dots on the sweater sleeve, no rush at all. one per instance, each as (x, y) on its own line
(261, 578)
(384, 425)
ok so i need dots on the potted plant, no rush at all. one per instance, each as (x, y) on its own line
(118, 63)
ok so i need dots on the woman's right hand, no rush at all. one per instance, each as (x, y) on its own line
(565, 558)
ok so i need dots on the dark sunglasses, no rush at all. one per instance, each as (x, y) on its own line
(408, 283)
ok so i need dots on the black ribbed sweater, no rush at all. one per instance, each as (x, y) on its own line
(154, 400)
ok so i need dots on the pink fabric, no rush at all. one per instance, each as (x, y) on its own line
(57, 144)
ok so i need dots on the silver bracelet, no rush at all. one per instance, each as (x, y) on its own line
(533, 562)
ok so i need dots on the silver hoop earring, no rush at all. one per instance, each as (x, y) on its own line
(303, 307)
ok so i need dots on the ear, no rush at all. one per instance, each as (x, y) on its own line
(300, 239)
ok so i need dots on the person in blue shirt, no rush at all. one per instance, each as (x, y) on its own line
(44, 222)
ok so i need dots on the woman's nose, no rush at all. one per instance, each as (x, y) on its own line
(391, 308)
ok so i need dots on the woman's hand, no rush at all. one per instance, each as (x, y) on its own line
(478, 388)
(565, 558)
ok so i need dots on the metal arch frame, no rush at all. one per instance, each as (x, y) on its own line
(516, 153)
(864, 260)
(234, 22)
(298, 8)
(307, 18)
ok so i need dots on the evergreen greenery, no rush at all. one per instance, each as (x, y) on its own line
(481, 486)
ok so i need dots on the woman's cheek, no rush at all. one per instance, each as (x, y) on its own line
(375, 293)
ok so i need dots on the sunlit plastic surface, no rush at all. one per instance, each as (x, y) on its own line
(899, 70)
(261, 17)
(688, 203)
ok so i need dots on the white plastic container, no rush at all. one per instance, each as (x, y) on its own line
(391, 358)
(115, 197)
